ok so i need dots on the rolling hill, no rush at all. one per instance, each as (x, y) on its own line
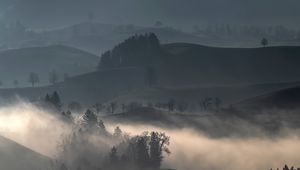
(16, 64)
(96, 37)
(186, 64)
(187, 72)
(287, 98)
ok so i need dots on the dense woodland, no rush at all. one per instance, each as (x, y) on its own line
(138, 50)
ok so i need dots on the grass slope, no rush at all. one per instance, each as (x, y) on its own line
(196, 64)
(18, 63)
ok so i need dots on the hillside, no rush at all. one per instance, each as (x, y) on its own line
(187, 72)
(287, 98)
(42, 60)
(88, 88)
(196, 64)
(15, 157)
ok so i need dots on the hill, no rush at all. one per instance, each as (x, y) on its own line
(16, 64)
(87, 88)
(94, 37)
(196, 64)
(15, 157)
(287, 98)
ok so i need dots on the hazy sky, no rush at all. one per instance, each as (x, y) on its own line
(180, 13)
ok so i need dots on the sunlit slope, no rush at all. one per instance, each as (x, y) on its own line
(16, 157)
(18, 63)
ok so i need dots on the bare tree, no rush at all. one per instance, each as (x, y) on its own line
(16, 83)
(264, 42)
(33, 78)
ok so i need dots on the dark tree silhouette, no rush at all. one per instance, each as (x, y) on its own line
(16, 83)
(142, 152)
(113, 107)
(90, 118)
(171, 105)
(155, 151)
(55, 99)
(113, 157)
(33, 78)
(117, 132)
(264, 42)
(158, 24)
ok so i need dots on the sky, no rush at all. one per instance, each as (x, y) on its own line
(177, 13)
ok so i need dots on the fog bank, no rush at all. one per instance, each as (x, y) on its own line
(190, 149)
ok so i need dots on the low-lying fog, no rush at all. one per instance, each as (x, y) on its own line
(190, 149)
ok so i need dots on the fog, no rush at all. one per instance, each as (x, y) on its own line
(178, 13)
(194, 150)
(190, 149)
(32, 127)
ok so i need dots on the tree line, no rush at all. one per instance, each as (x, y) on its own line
(34, 79)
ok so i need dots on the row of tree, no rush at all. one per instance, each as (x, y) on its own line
(278, 33)
(34, 79)
(205, 104)
(287, 168)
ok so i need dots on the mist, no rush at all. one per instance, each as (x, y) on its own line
(177, 13)
(191, 149)
(35, 128)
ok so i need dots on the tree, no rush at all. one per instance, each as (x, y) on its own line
(117, 132)
(54, 100)
(171, 105)
(113, 107)
(113, 157)
(264, 42)
(16, 83)
(53, 77)
(33, 78)
(142, 155)
(155, 151)
(90, 118)
(158, 143)
(158, 24)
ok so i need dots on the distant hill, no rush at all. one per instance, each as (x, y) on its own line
(97, 37)
(16, 64)
(15, 157)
